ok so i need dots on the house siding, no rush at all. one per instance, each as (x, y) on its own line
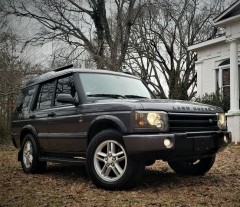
(208, 77)
(213, 52)
(209, 60)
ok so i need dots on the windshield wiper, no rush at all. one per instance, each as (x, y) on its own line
(115, 96)
(135, 96)
(106, 95)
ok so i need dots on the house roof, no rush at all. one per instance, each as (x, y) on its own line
(207, 43)
(230, 14)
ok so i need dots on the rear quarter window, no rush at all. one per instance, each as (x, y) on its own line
(24, 99)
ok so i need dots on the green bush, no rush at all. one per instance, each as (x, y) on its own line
(215, 99)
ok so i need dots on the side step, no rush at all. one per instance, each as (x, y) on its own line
(75, 160)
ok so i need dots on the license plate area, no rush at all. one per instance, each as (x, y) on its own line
(203, 144)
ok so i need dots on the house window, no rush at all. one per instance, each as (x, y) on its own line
(223, 78)
(218, 84)
(226, 83)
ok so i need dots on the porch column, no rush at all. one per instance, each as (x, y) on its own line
(233, 115)
(234, 78)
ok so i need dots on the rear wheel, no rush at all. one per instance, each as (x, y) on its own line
(108, 163)
(193, 167)
(29, 160)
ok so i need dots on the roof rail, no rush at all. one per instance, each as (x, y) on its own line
(64, 67)
(127, 72)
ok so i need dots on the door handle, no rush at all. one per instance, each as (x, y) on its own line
(51, 114)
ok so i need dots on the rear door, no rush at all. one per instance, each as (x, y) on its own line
(39, 113)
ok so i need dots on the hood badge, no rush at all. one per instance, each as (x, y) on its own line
(183, 108)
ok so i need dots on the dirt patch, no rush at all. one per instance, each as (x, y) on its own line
(69, 185)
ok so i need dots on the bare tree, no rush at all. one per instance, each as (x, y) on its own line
(85, 25)
(13, 71)
(159, 44)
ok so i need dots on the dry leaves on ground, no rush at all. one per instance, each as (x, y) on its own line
(69, 185)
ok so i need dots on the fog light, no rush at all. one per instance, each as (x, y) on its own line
(168, 143)
(225, 139)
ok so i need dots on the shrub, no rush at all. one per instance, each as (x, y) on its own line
(215, 99)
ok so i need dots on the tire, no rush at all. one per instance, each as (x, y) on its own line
(193, 167)
(29, 159)
(108, 164)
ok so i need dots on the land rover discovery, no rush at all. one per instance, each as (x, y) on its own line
(113, 123)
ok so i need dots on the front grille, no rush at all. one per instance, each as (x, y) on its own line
(191, 122)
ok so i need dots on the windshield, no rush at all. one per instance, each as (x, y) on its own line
(113, 86)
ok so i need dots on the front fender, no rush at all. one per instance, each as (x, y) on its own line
(111, 118)
(105, 119)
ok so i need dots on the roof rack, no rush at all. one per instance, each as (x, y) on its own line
(127, 72)
(64, 67)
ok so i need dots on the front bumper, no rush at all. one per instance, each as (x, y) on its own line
(181, 144)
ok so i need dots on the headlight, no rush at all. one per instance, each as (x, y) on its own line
(151, 119)
(222, 123)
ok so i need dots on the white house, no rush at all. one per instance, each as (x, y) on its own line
(218, 64)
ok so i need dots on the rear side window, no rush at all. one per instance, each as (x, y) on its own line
(24, 99)
(44, 100)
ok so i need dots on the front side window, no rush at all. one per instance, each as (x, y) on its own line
(65, 85)
(113, 86)
(45, 96)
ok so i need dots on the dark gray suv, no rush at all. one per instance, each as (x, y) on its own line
(112, 122)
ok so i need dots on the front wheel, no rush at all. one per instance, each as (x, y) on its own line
(108, 164)
(193, 167)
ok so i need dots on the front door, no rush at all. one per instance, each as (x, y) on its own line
(63, 121)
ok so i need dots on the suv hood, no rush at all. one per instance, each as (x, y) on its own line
(178, 106)
(168, 105)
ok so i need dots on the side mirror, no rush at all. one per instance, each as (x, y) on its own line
(67, 98)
